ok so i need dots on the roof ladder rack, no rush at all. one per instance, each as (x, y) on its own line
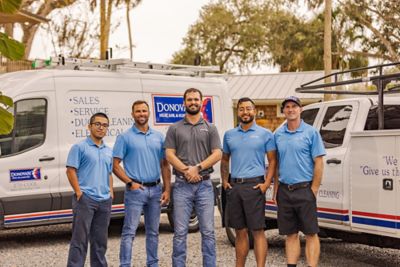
(379, 75)
(124, 64)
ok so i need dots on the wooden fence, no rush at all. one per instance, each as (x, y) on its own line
(7, 65)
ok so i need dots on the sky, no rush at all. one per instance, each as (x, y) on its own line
(158, 27)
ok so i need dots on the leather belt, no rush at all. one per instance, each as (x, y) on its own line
(292, 187)
(149, 184)
(257, 179)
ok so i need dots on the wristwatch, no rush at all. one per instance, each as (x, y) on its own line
(129, 184)
(199, 168)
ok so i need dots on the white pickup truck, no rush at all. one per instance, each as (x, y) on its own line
(359, 198)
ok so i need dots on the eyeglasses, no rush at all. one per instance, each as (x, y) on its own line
(98, 125)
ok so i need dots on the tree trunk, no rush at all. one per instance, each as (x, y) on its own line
(28, 37)
(105, 24)
(328, 44)
(103, 44)
(128, 22)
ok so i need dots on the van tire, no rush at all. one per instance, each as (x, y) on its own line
(230, 232)
(193, 221)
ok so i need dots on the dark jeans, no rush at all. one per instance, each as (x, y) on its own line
(90, 222)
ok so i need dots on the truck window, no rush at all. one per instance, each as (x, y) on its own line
(29, 127)
(334, 125)
(309, 115)
(391, 115)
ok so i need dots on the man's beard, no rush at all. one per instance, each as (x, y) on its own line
(193, 112)
(250, 120)
(138, 122)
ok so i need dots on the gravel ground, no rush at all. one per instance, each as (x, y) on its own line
(48, 246)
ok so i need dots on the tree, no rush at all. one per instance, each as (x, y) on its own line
(12, 50)
(43, 9)
(106, 9)
(9, 47)
(242, 34)
(130, 4)
(228, 33)
(296, 44)
(374, 26)
(74, 31)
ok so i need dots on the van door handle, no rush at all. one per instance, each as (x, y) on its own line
(333, 161)
(45, 158)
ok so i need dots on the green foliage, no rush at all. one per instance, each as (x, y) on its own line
(10, 6)
(296, 44)
(10, 48)
(372, 26)
(228, 33)
(6, 118)
(242, 34)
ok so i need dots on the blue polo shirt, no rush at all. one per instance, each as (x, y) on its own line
(141, 153)
(94, 166)
(296, 152)
(247, 150)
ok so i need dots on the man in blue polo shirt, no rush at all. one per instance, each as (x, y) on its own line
(300, 160)
(247, 145)
(141, 151)
(89, 167)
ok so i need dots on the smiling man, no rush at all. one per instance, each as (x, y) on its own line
(141, 150)
(192, 147)
(89, 167)
(300, 152)
(247, 145)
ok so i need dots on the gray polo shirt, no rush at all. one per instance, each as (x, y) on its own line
(193, 142)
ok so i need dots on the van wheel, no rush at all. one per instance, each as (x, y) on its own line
(230, 232)
(193, 221)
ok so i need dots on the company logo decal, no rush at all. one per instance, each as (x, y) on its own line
(169, 109)
(25, 174)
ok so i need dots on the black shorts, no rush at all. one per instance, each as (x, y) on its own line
(245, 207)
(297, 211)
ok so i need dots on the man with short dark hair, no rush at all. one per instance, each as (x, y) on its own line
(300, 160)
(89, 168)
(192, 147)
(247, 145)
(141, 150)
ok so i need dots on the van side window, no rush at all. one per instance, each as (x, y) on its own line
(391, 115)
(309, 115)
(334, 125)
(29, 127)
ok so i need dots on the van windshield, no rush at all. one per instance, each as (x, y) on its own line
(29, 127)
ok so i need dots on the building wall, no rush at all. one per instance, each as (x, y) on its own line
(267, 116)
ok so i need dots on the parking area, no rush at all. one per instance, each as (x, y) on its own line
(48, 246)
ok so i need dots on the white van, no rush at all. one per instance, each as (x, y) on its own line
(52, 109)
